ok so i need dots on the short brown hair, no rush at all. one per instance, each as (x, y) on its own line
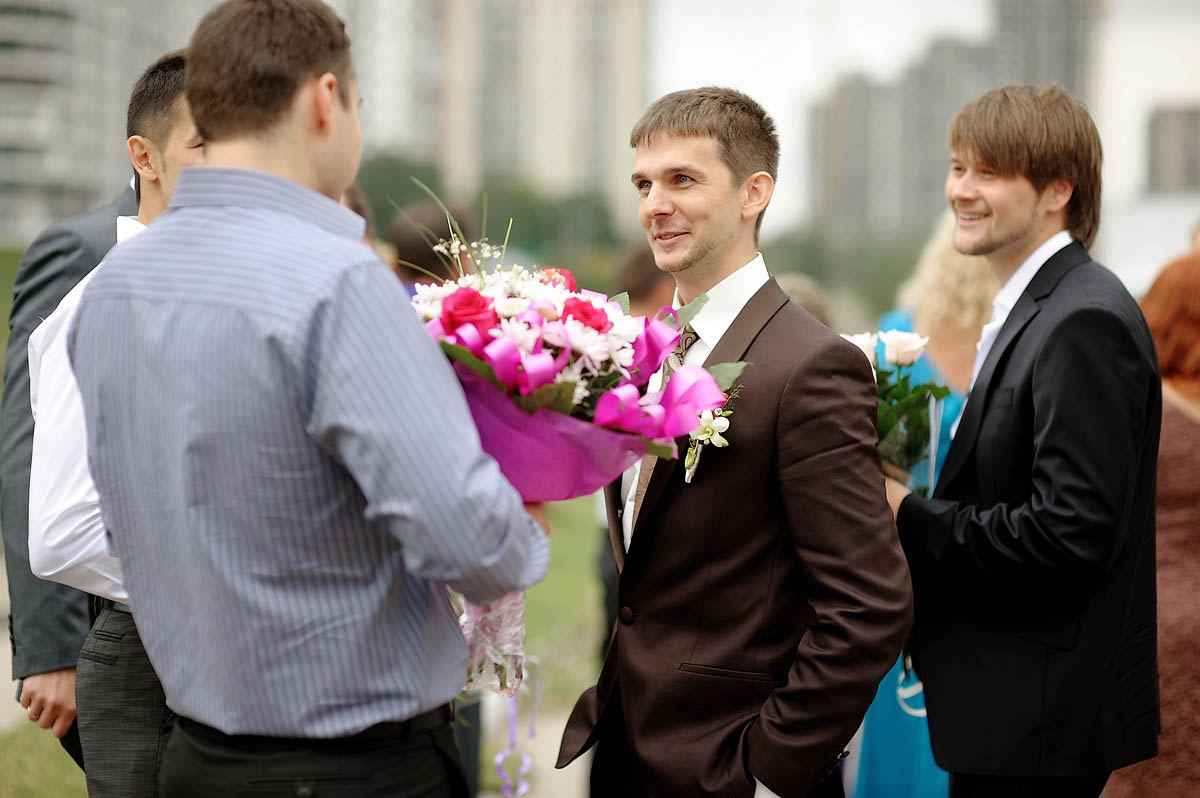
(247, 58)
(744, 133)
(1172, 309)
(1043, 134)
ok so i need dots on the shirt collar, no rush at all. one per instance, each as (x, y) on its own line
(726, 300)
(249, 188)
(128, 227)
(1008, 295)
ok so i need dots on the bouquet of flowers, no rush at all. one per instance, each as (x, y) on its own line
(553, 377)
(909, 416)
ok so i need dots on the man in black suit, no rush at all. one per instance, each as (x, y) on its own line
(1033, 562)
(47, 622)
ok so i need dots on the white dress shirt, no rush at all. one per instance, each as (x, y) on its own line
(1005, 300)
(725, 301)
(67, 539)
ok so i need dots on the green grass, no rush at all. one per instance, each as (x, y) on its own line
(34, 765)
(563, 615)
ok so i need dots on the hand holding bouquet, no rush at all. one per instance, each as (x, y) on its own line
(908, 415)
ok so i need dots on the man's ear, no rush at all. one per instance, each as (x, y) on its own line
(1058, 194)
(325, 94)
(140, 148)
(759, 188)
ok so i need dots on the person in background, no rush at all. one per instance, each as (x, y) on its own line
(1172, 308)
(409, 233)
(124, 721)
(948, 298)
(47, 622)
(807, 293)
(356, 200)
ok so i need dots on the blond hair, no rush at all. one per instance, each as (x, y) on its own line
(948, 291)
(1043, 134)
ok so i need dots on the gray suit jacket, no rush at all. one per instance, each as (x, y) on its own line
(47, 622)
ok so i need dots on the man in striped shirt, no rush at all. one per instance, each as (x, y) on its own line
(286, 465)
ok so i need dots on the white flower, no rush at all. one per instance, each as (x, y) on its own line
(902, 348)
(509, 306)
(865, 342)
(519, 332)
(710, 429)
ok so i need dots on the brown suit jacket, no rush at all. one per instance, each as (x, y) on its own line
(762, 603)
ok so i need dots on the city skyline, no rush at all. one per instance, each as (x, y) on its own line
(788, 55)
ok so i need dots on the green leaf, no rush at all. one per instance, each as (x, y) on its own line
(662, 450)
(621, 299)
(726, 374)
(460, 354)
(553, 396)
(689, 311)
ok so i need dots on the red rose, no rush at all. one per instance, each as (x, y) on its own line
(468, 306)
(561, 277)
(587, 314)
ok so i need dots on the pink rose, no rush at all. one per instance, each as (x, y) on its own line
(561, 277)
(587, 314)
(468, 306)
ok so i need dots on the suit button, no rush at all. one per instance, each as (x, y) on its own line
(626, 615)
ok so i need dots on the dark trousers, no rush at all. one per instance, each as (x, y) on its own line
(392, 760)
(964, 785)
(121, 711)
(614, 770)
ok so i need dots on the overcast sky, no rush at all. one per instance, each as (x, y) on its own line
(787, 53)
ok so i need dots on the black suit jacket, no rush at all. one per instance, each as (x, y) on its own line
(47, 622)
(1033, 564)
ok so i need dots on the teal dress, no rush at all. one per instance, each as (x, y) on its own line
(895, 760)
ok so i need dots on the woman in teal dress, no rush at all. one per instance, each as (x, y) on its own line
(948, 299)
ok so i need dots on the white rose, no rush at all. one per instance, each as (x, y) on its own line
(865, 342)
(902, 348)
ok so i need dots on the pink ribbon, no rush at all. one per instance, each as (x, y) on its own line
(524, 372)
(652, 347)
(673, 412)
(621, 408)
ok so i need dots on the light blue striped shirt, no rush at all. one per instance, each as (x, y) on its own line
(286, 465)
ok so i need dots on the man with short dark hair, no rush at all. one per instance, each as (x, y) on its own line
(763, 591)
(287, 466)
(1033, 562)
(47, 622)
(124, 721)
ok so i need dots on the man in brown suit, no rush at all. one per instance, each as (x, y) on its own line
(761, 603)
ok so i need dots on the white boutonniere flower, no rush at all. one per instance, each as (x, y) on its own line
(712, 424)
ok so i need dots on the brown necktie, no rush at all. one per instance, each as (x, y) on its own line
(673, 362)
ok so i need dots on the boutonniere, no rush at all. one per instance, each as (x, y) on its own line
(712, 424)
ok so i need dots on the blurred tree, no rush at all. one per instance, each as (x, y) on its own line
(870, 267)
(383, 176)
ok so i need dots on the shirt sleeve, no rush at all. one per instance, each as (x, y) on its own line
(386, 404)
(68, 542)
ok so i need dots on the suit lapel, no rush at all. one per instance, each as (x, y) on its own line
(612, 502)
(765, 303)
(1041, 286)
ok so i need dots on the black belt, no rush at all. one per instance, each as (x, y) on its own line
(426, 722)
(116, 606)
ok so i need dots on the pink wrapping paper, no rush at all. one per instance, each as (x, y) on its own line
(547, 456)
